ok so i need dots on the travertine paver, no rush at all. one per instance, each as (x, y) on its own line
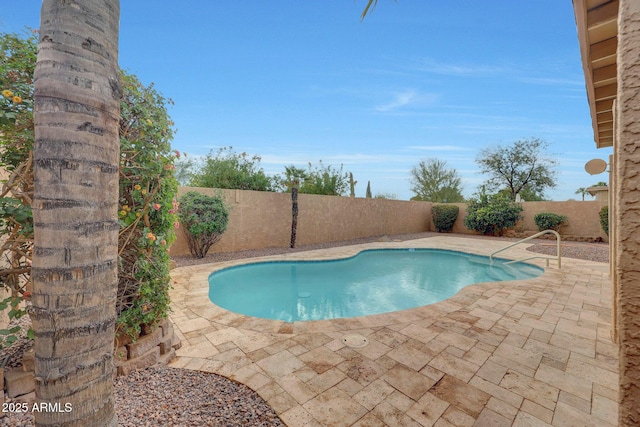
(526, 353)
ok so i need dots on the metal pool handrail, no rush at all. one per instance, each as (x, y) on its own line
(558, 251)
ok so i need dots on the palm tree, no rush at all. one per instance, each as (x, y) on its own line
(293, 178)
(582, 191)
(76, 154)
(370, 3)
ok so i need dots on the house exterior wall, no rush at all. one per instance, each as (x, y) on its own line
(627, 215)
(261, 219)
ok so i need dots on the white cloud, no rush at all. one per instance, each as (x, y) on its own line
(400, 100)
(334, 159)
(552, 81)
(431, 66)
(406, 98)
(439, 148)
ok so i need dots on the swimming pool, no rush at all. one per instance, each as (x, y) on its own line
(371, 282)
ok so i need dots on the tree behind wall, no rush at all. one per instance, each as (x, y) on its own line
(524, 165)
(76, 154)
(432, 181)
(325, 180)
(582, 191)
(231, 170)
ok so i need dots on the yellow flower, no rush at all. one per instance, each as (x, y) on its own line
(144, 192)
(149, 121)
(138, 214)
(151, 237)
(137, 187)
(123, 213)
(126, 208)
(17, 100)
(7, 93)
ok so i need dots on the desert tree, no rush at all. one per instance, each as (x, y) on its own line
(523, 165)
(432, 181)
(231, 170)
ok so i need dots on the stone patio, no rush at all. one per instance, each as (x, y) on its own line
(529, 353)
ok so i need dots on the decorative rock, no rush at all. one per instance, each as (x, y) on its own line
(19, 382)
(166, 345)
(159, 346)
(144, 343)
(28, 398)
(147, 329)
(149, 358)
(123, 339)
(167, 327)
(2, 414)
(176, 343)
(165, 359)
(29, 361)
(121, 354)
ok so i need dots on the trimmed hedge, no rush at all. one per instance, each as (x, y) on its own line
(549, 221)
(492, 214)
(444, 216)
(204, 219)
(604, 219)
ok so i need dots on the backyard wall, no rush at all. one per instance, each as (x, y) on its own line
(583, 220)
(260, 219)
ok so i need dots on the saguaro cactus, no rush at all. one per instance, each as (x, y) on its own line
(352, 185)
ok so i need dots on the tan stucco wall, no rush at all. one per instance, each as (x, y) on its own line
(261, 219)
(627, 216)
(583, 219)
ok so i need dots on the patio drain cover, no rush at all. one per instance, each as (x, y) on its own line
(355, 340)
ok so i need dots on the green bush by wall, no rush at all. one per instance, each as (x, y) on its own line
(492, 214)
(444, 216)
(604, 219)
(204, 219)
(549, 221)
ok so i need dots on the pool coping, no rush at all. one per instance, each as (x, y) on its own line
(290, 363)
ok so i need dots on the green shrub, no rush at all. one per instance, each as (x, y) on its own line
(204, 219)
(228, 169)
(444, 216)
(549, 221)
(147, 206)
(492, 214)
(146, 201)
(604, 219)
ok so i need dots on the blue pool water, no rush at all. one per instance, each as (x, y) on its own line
(372, 282)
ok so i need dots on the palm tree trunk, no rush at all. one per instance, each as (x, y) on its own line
(76, 154)
(294, 215)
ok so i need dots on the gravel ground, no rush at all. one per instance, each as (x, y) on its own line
(164, 396)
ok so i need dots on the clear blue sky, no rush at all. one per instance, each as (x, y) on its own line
(301, 81)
